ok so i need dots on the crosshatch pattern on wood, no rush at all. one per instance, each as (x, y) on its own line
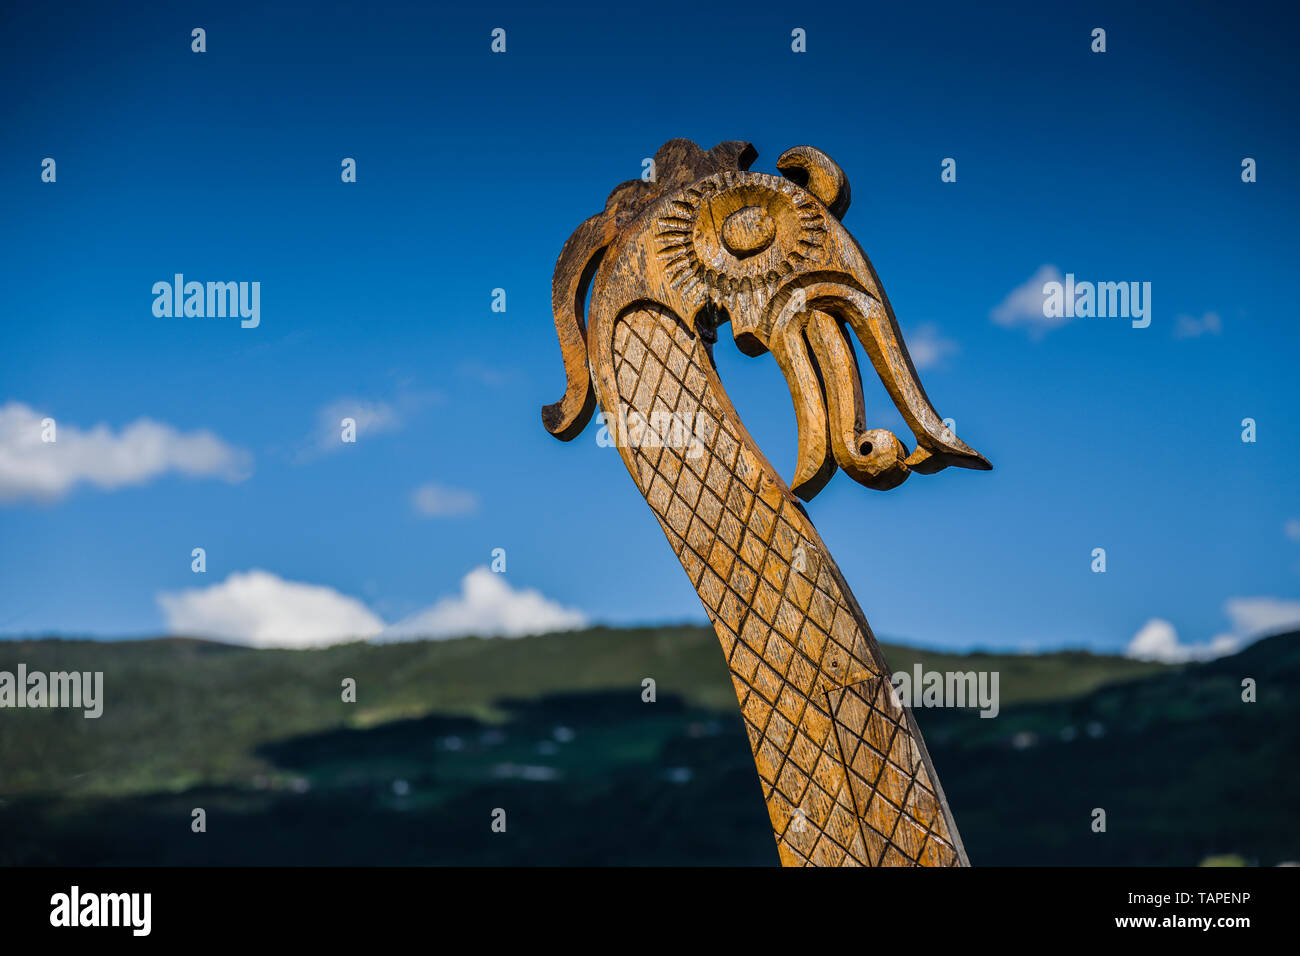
(843, 776)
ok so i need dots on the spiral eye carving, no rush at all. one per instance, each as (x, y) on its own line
(739, 232)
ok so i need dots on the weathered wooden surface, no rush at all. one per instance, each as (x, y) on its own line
(844, 770)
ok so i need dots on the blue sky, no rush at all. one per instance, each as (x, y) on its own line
(473, 168)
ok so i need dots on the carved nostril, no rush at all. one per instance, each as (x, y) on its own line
(748, 231)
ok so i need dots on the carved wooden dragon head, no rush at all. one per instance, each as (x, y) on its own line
(845, 771)
(712, 242)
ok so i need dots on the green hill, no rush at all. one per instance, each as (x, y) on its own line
(553, 730)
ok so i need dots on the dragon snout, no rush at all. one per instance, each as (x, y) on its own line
(809, 338)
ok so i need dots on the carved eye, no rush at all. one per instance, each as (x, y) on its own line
(740, 231)
(748, 231)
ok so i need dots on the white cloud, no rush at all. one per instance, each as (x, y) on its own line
(1023, 306)
(31, 468)
(261, 609)
(1250, 618)
(438, 501)
(371, 417)
(929, 347)
(489, 607)
(1190, 327)
(491, 375)
(264, 610)
(1261, 616)
(1292, 529)
(1158, 641)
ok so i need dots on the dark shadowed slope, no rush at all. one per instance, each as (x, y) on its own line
(554, 730)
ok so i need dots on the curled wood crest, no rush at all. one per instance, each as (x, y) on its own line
(844, 770)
